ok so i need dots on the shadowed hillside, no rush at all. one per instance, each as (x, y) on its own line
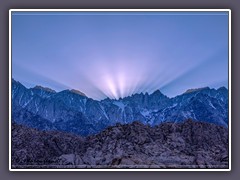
(189, 144)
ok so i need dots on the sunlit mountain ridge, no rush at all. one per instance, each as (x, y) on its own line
(72, 111)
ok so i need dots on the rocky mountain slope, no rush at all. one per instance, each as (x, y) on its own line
(189, 144)
(72, 111)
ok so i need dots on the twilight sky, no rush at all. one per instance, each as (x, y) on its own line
(116, 54)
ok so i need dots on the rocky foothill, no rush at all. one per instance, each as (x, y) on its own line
(188, 144)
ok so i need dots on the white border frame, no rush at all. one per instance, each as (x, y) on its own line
(120, 10)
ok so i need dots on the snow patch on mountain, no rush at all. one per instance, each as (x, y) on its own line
(120, 104)
(210, 103)
(146, 113)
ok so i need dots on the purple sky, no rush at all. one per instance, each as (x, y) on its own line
(117, 54)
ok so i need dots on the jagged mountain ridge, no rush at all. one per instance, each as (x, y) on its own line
(189, 144)
(71, 111)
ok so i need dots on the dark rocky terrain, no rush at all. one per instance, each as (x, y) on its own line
(188, 144)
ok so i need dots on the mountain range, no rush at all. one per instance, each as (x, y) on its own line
(72, 111)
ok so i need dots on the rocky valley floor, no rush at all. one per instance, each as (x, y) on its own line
(189, 144)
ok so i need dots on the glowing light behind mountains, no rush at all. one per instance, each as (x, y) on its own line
(117, 54)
